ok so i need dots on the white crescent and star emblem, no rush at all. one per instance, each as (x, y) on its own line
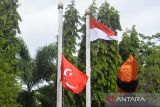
(66, 70)
(65, 75)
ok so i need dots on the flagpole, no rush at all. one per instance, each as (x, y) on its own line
(60, 30)
(88, 68)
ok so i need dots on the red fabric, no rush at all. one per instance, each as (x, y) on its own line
(72, 79)
(96, 24)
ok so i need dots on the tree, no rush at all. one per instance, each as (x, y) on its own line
(130, 44)
(150, 62)
(46, 63)
(46, 72)
(9, 18)
(34, 73)
(151, 71)
(146, 42)
(27, 68)
(70, 33)
(46, 95)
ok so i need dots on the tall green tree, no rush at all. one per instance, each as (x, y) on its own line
(70, 37)
(70, 31)
(152, 71)
(27, 68)
(46, 72)
(130, 44)
(33, 73)
(46, 63)
(150, 62)
(9, 27)
(146, 43)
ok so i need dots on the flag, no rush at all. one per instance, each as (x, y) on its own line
(100, 31)
(72, 79)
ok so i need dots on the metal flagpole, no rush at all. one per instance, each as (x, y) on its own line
(88, 68)
(60, 30)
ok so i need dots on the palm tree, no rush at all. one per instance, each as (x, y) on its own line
(26, 67)
(46, 73)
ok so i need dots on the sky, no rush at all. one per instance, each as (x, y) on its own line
(39, 25)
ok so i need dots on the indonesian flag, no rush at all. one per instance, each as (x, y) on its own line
(100, 31)
(72, 79)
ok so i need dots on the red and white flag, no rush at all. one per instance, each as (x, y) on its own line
(100, 31)
(72, 79)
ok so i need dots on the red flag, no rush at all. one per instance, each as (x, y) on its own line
(72, 79)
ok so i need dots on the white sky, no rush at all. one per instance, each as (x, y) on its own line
(39, 24)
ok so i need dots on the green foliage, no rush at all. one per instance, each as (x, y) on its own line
(9, 18)
(46, 71)
(109, 16)
(70, 35)
(93, 9)
(151, 71)
(33, 72)
(46, 63)
(146, 43)
(26, 99)
(129, 44)
(150, 61)
(26, 68)
(47, 96)
(70, 31)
